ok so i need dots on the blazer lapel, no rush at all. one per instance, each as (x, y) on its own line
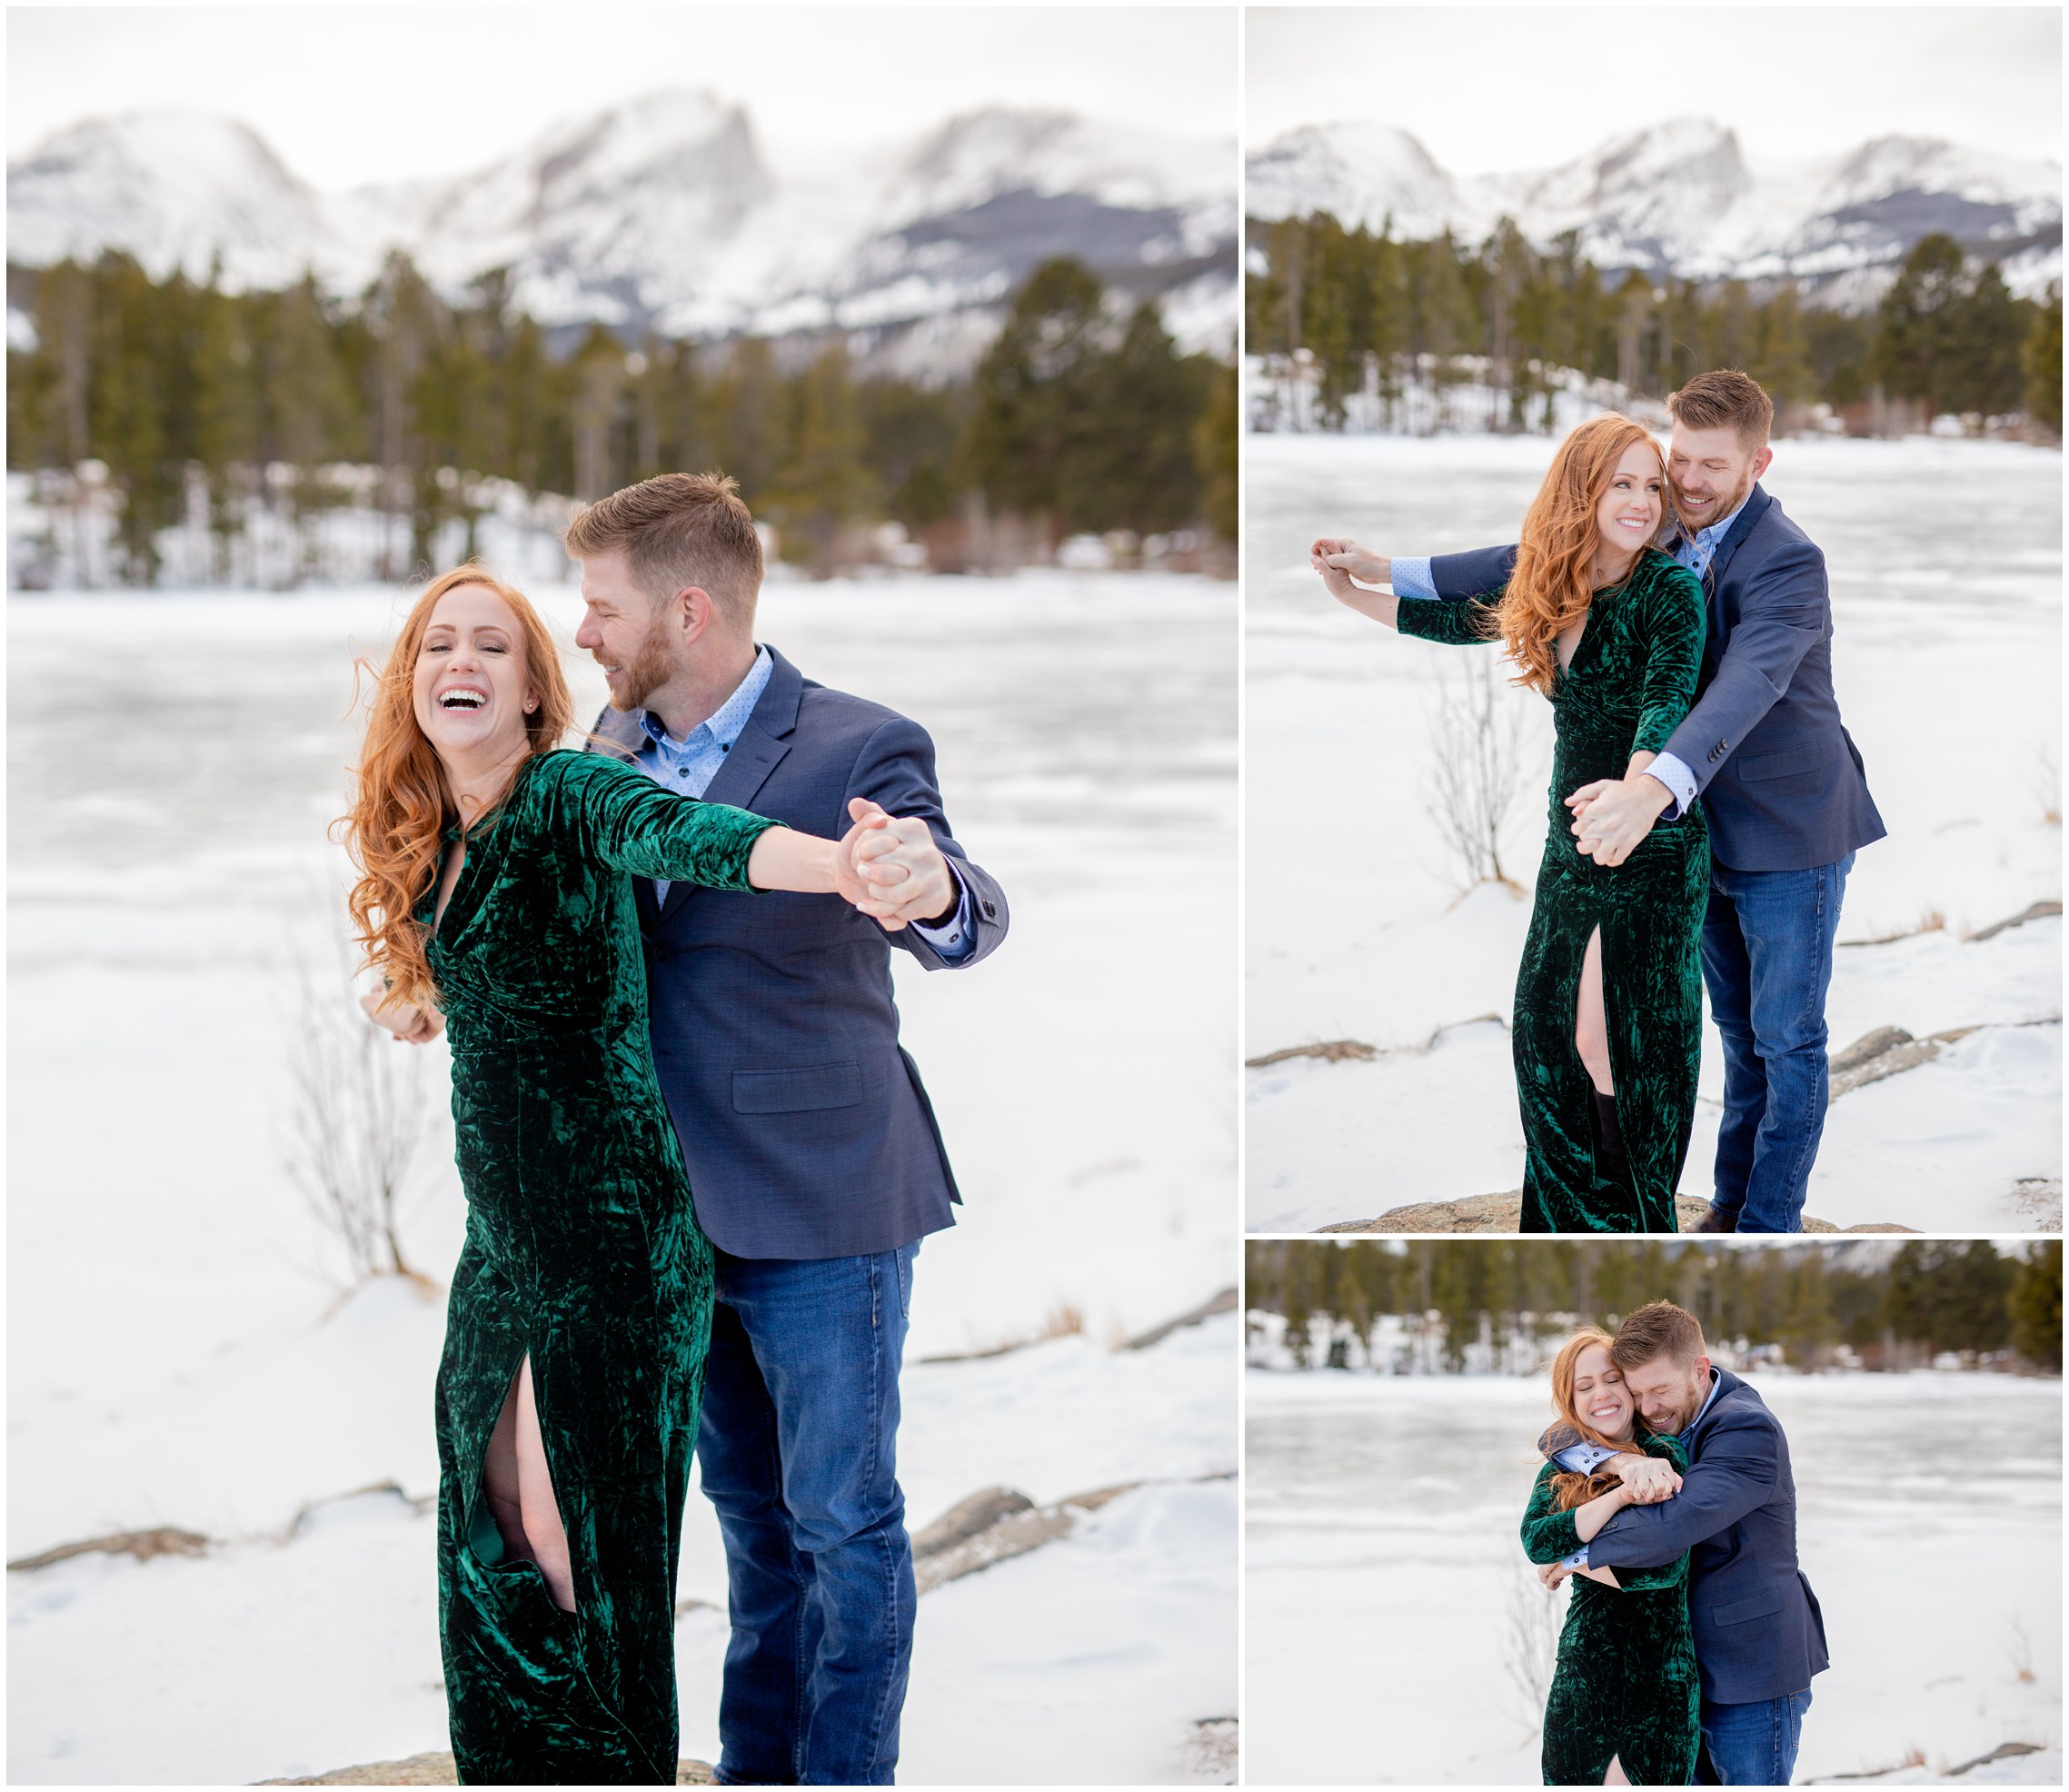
(1754, 509)
(762, 746)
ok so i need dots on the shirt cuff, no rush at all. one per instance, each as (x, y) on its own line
(953, 938)
(1677, 778)
(1411, 576)
(1577, 1560)
(1581, 1459)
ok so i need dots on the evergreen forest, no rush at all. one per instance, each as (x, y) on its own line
(1888, 1309)
(175, 396)
(1372, 314)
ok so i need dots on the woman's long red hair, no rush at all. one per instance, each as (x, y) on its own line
(401, 807)
(1550, 588)
(1569, 1490)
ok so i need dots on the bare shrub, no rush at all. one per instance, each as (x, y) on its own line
(1475, 727)
(2043, 774)
(1530, 1641)
(359, 1121)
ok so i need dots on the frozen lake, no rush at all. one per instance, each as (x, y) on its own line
(176, 1357)
(1945, 560)
(1383, 1570)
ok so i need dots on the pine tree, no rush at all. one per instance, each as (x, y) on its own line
(2036, 1295)
(1917, 349)
(1037, 404)
(826, 484)
(2041, 361)
(1216, 438)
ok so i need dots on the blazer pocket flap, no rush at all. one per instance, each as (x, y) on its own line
(1787, 763)
(1761, 1604)
(797, 1090)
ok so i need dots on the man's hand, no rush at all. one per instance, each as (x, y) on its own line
(1345, 555)
(872, 895)
(902, 869)
(1554, 1575)
(1647, 1480)
(904, 862)
(1612, 816)
(408, 1022)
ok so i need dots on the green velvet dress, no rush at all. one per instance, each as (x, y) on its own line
(1631, 682)
(583, 1251)
(1626, 1683)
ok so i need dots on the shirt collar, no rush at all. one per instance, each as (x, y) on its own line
(724, 724)
(1716, 1381)
(1711, 534)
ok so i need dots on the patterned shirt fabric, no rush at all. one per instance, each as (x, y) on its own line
(689, 765)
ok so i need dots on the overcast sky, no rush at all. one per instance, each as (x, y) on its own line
(1494, 89)
(347, 94)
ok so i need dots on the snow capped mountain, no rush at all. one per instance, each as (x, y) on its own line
(1358, 174)
(1682, 197)
(174, 188)
(668, 212)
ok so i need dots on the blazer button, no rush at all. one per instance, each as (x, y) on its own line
(990, 913)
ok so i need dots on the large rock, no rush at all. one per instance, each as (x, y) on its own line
(438, 1771)
(1504, 1213)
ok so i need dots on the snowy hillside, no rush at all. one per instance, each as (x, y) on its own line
(669, 211)
(1683, 196)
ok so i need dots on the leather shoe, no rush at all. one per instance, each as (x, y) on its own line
(1716, 1221)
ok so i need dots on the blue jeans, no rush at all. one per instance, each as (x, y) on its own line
(1767, 962)
(1751, 1744)
(797, 1451)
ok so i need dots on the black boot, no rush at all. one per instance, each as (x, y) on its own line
(1716, 1221)
(1609, 1154)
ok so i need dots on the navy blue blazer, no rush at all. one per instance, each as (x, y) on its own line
(1759, 1634)
(1781, 780)
(805, 1128)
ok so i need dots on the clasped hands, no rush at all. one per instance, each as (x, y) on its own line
(1646, 1482)
(1613, 815)
(1340, 560)
(890, 868)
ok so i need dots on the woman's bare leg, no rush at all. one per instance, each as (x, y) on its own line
(499, 1479)
(541, 1511)
(1591, 1020)
(1614, 1777)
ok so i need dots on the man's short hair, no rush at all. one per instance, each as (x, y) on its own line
(1725, 399)
(1658, 1329)
(677, 530)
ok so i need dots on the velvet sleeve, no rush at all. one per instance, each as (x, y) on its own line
(626, 821)
(1740, 1461)
(1673, 625)
(1549, 1533)
(1674, 1573)
(1464, 623)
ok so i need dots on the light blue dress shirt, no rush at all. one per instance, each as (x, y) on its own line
(1580, 1459)
(689, 765)
(1412, 579)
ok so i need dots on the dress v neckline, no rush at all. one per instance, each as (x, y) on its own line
(467, 838)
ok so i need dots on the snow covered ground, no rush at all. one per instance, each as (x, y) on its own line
(1386, 1598)
(178, 1357)
(1946, 574)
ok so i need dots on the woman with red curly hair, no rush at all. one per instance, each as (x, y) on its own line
(1607, 1026)
(496, 888)
(1625, 1704)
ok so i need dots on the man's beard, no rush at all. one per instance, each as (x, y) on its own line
(1718, 512)
(650, 670)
